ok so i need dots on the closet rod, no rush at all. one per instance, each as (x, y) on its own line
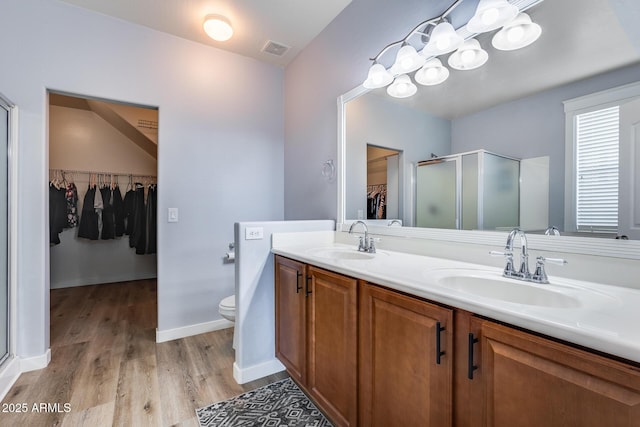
(102, 173)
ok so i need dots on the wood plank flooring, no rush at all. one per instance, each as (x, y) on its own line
(106, 365)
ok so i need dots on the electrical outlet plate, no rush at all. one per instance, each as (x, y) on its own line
(253, 233)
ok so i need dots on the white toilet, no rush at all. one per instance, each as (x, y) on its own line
(227, 308)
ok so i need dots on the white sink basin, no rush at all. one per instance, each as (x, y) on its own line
(492, 285)
(340, 253)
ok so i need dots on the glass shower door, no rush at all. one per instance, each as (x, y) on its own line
(437, 201)
(4, 240)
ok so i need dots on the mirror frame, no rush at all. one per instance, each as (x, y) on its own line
(625, 249)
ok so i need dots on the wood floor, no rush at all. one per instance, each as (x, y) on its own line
(106, 365)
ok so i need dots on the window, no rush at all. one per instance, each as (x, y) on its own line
(592, 160)
(597, 148)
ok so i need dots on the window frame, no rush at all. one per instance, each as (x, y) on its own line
(573, 108)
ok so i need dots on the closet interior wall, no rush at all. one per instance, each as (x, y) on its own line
(81, 140)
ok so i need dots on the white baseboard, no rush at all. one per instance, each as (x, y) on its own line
(8, 376)
(255, 372)
(187, 331)
(35, 363)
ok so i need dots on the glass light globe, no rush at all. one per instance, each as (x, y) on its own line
(218, 27)
(443, 43)
(431, 73)
(490, 16)
(515, 34)
(468, 56)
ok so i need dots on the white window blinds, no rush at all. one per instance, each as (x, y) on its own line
(597, 144)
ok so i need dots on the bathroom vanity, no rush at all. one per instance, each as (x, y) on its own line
(400, 339)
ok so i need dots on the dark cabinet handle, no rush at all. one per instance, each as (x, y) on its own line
(307, 292)
(439, 353)
(470, 366)
(298, 287)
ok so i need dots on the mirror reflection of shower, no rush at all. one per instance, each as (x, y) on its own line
(383, 184)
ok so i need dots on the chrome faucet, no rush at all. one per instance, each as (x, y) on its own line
(394, 221)
(540, 275)
(524, 255)
(366, 243)
(552, 231)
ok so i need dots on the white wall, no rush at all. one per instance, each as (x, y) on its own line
(255, 304)
(82, 140)
(220, 156)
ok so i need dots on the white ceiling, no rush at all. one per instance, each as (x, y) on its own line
(293, 23)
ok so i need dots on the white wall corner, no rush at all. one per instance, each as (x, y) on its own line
(190, 330)
(28, 364)
(255, 372)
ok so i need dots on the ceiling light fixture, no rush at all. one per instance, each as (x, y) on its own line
(517, 34)
(218, 27)
(439, 37)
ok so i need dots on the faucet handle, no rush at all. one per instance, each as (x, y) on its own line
(540, 275)
(509, 271)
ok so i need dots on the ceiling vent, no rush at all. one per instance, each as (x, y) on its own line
(275, 48)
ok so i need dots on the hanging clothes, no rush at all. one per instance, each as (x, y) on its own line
(138, 236)
(151, 220)
(88, 228)
(118, 212)
(128, 207)
(108, 230)
(57, 213)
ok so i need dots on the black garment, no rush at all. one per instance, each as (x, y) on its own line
(118, 211)
(57, 213)
(152, 204)
(108, 216)
(128, 205)
(88, 228)
(138, 238)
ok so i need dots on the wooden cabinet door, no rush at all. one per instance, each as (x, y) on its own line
(527, 381)
(403, 381)
(291, 317)
(332, 345)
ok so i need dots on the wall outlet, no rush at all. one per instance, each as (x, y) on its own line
(172, 215)
(253, 233)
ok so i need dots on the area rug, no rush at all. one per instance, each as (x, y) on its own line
(278, 404)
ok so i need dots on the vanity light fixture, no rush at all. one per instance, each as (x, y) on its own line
(491, 15)
(439, 37)
(402, 87)
(469, 56)
(407, 60)
(432, 73)
(517, 34)
(218, 27)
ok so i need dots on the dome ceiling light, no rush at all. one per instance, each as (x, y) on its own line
(218, 27)
(437, 36)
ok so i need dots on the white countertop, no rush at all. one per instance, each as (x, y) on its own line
(607, 318)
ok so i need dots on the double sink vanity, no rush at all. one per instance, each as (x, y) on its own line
(384, 337)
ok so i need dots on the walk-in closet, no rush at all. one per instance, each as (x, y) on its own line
(102, 228)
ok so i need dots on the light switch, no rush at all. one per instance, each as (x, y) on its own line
(173, 215)
(253, 233)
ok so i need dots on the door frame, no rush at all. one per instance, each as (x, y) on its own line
(12, 226)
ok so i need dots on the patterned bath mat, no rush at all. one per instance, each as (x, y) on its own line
(278, 404)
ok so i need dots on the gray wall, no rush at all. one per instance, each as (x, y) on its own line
(334, 63)
(534, 126)
(220, 156)
(376, 120)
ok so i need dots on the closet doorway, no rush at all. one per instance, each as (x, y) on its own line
(384, 183)
(102, 223)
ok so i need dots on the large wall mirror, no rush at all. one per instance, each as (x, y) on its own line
(513, 107)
